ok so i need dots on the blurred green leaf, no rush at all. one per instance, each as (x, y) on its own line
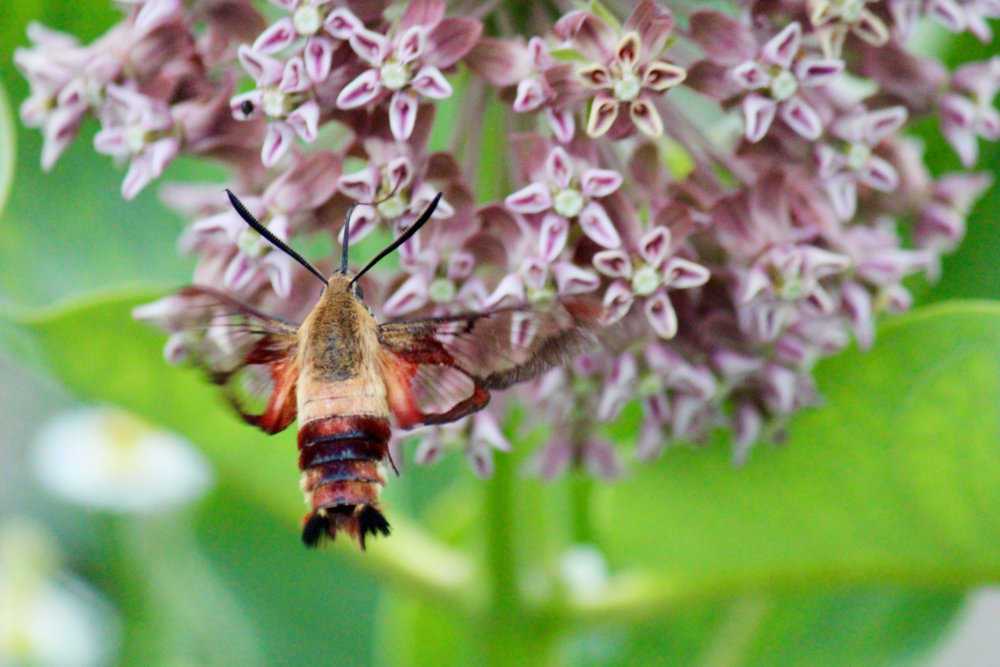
(848, 627)
(892, 481)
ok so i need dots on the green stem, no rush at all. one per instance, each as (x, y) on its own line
(580, 490)
(512, 633)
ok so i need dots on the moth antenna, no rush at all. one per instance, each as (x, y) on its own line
(347, 238)
(347, 224)
(404, 237)
(266, 233)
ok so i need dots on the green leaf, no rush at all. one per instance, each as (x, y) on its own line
(893, 481)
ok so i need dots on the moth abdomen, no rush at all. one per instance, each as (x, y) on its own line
(342, 459)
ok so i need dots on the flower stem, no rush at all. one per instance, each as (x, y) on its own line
(512, 633)
(580, 490)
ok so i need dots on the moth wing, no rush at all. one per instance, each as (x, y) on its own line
(249, 354)
(442, 368)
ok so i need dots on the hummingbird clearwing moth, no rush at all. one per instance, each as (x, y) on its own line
(343, 375)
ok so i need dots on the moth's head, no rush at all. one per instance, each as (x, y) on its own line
(345, 281)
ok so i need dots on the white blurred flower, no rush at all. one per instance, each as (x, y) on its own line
(584, 572)
(48, 617)
(108, 459)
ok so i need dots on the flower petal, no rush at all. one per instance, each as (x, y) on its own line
(603, 111)
(661, 315)
(781, 49)
(411, 295)
(618, 299)
(559, 167)
(266, 71)
(758, 114)
(654, 246)
(552, 236)
(802, 118)
(276, 37)
(627, 51)
(247, 105)
(645, 117)
(371, 47)
(750, 75)
(562, 122)
(342, 23)
(596, 224)
(429, 82)
(359, 92)
(613, 263)
(277, 140)
(879, 174)
(294, 78)
(814, 72)
(533, 198)
(594, 75)
(530, 95)
(843, 194)
(683, 274)
(571, 279)
(509, 290)
(318, 56)
(599, 182)
(361, 186)
(451, 39)
(403, 114)
(660, 75)
(305, 120)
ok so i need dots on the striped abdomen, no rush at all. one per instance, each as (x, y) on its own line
(343, 471)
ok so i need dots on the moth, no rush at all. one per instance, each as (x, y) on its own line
(344, 375)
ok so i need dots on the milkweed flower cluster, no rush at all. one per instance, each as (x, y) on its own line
(736, 188)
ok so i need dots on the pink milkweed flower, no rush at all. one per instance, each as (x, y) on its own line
(968, 112)
(408, 64)
(965, 15)
(511, 63)
(283, 95)
(318, 23)
(140, 128)
(774, 79)
(843, 167)
(834, 19)
(646, 272)
(392, 188)
(66, 81)
(941, 225)
(568, 189)
(624, 69)
(290, 202)
(441, 260)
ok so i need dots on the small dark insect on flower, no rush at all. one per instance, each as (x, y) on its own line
(247, 107)
(342, 374)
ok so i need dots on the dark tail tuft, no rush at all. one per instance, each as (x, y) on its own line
(371, 522)
(314, 528)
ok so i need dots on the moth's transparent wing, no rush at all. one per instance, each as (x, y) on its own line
(249, 354)
(441, 369)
